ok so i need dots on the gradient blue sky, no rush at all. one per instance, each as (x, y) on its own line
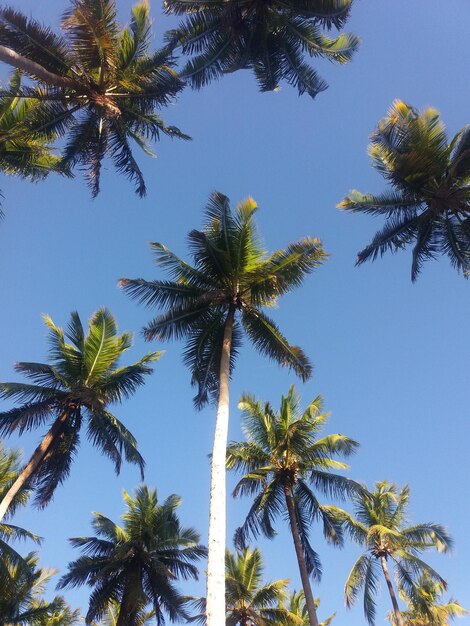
(391, 358)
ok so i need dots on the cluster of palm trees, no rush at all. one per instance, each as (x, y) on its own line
(286, 465)
(98, 88)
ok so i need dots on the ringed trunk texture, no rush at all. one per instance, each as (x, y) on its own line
(215, 589)
(396, 608)
(33, 463)
(33, 69)
(309, 601)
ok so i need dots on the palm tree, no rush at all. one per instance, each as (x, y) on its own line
(21, 590)
(98, 85)
(424, 608)
(285, 465)
(61, 614)
(250, 602)
(81, 381)
(22, 153)
(209, 304)
(298, 607)
(380, 525)
(137, 563)
(274, 39)
(111, 616)
(429, 203)
(9, 557)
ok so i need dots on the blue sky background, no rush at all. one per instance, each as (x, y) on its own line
(391, 358)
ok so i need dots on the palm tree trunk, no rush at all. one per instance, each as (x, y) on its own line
(33, 463)
(396, 608)
(215, 594)
(127, 612)
(309, 601)
(33, 69)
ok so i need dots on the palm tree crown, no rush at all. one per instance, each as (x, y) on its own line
(380, 525)
(99, 85)
(232, 274)
(22, 153)
(209, 304)
(298, 607)
(283, 459)
(21, 593)
(82, 379)
(424, 608)
(9, 557)
(138, 562)
(249, 601)
(274, 39)
(430, 201)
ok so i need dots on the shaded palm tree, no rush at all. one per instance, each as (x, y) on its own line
(61, 614)
(82, 379)
(111, 616)
(380, 526)
(21, 152)
(274, 39)
(286, 465)
(424, 608)
(98, 85)
(249, 601)
(137, 563)
(9, 557)
(21, 590)
(429, 203)
(298, 607)
(209, 304)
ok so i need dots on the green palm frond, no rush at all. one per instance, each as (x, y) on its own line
(247, 597)
(429, 199)
(82, 379)
(274, 41)
(230, 269)
(98, 85)
(380, 526)
(136, 564)
(282, 460)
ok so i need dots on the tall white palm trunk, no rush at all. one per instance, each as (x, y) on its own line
(215, 590)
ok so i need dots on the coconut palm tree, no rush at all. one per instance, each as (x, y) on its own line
(209, 304)
(381, 526)
(298, 607)
(249, 601)
(137, 563)
(21, 590)
(286, 465)
(274, 39)
(98, 85)
(429, 203)
(111, 616)
(21, 152)
(61, 614)
(424, 608)
(9, 557)
(81, 381)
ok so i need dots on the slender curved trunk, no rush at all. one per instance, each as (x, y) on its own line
(215, 589)
(396, 608)
(309, 601)
(10, 57)
(33, 463)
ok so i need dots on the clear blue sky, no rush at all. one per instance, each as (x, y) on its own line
(391, 358)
